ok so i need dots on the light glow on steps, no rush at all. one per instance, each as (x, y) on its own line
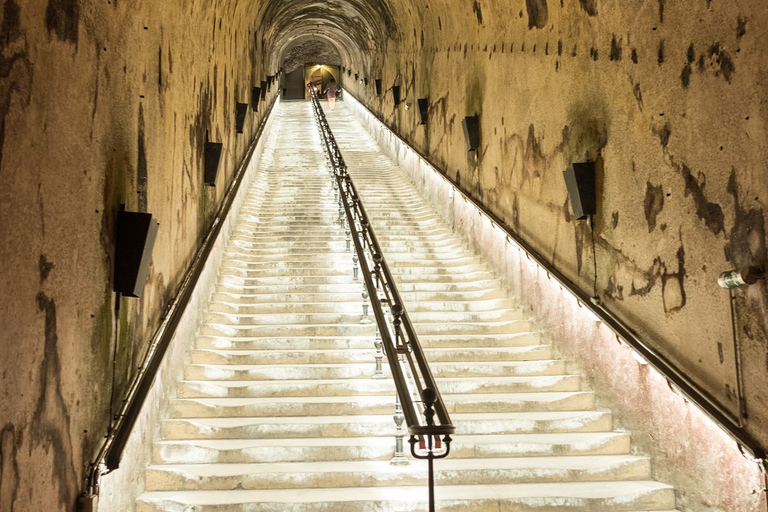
(278, 409)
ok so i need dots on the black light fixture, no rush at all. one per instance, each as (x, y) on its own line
(366, 81)
(255, 95)
(471, 127)
(349, 72)
(241, 109)
(357, 76)
(377, 83)
(135, 238)
(423, 110)
(580, 182)
(263, 89)
(396, 94)
(212, 155)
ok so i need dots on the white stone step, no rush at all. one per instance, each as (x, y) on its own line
(571, 496)
(367, 386)
(338, 425)
(206, 451)
(357, 370)
(353, 315)
(449, 471)
(364, 355)
(223, 341)
(352, 329)
(375, 404)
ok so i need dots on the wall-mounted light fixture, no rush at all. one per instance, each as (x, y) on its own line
(423, 110)
(357, 76)
(135, 238)
(377, 83)
(471, 127)
(739, 278)
(255, 95)
(212, 156)
(580, 182)
(263, 89)
(241, 109)
(366, 81)
(349, 72)
(396, 94)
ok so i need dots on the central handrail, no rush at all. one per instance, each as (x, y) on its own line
(401, 344)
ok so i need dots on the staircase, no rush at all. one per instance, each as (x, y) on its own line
(279, 411)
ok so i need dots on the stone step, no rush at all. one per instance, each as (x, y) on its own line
(449, 471)
(364, 355)
(376, 404)
(419, 291)
(291, 254)
(456, 318)
(571, 496)
(361, 370)
(202, 451)
(343, 263)
(381, 425)
(349, 303)
(523, 339)
(202, 388)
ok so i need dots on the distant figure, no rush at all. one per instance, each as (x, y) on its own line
(330, 92)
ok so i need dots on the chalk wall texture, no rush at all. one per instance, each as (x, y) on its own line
(669, 99)
(105, 103)
(102, 104)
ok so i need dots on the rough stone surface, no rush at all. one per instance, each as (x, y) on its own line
(109, 103)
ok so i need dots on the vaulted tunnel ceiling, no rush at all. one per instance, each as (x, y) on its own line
(357, 28)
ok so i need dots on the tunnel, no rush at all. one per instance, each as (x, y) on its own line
(164, 113)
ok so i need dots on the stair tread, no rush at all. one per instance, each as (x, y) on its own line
(587, 490)
(560, 462)
(586, 438)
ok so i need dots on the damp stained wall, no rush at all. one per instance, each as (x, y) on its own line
(108, 102)
(668, 98)
(101, 104)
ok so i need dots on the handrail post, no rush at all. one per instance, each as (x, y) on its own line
(378, 373)
(399, 459)
(365, 319)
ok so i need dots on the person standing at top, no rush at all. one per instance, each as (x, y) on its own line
(331, 91)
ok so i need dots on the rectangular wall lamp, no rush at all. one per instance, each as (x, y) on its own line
(135, 238)
(241, 109)
(580, 182)
(212, 155)
(255, 95)
(396, 94)
(471, 127)
(423, 110)
(377, 83)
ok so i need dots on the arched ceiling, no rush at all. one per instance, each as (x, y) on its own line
(306, 49)
(354, 27)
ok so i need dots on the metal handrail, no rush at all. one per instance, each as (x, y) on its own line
(401, 344)
(675, 376)
(111, 450)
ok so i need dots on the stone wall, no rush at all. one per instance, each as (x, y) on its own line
(668, 98)
(688, 450)
(101, 104)
(108, 103)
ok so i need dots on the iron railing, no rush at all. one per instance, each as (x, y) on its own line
(676, 377)
(121, 426)
(417, 390)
